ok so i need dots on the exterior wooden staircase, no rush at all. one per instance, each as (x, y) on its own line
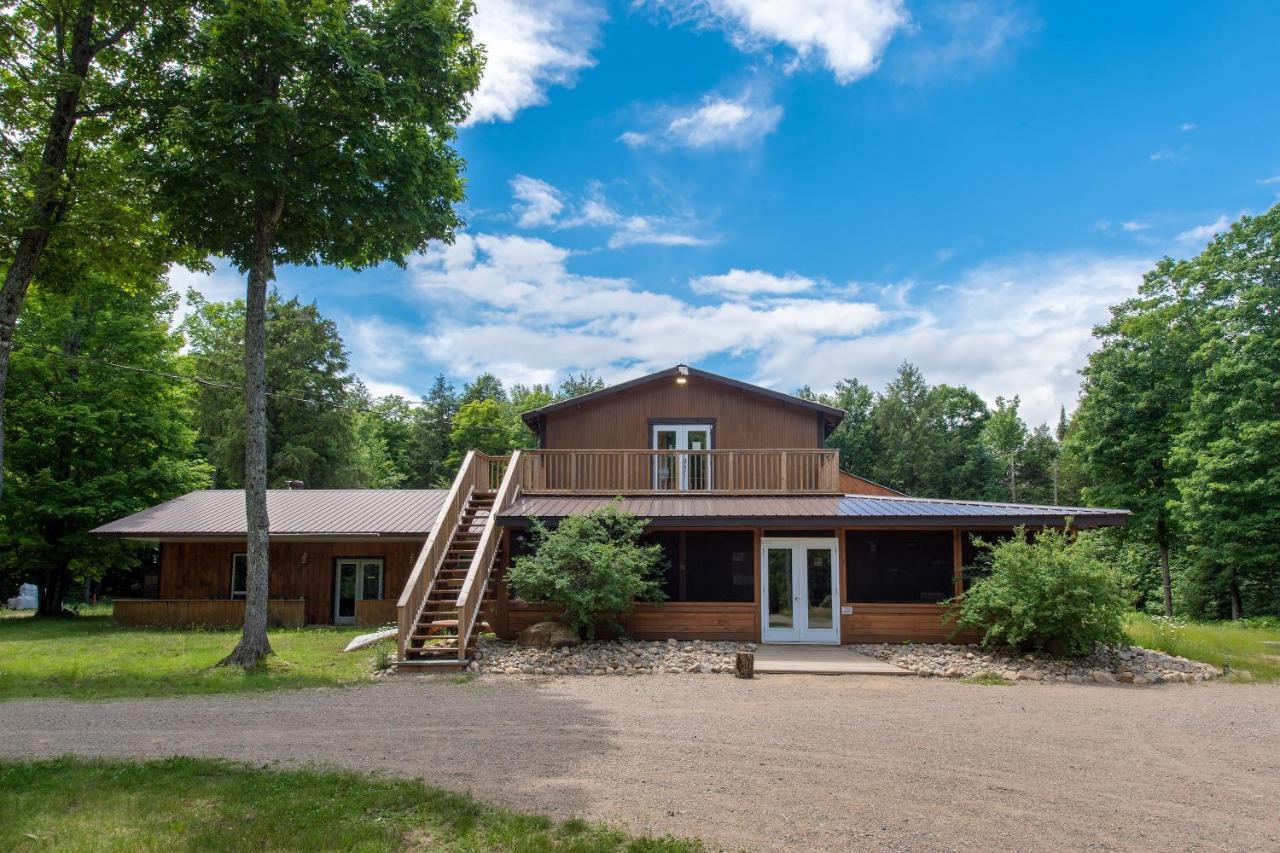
(439, 610)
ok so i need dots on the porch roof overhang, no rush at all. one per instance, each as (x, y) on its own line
(813, 510)
(215, 514)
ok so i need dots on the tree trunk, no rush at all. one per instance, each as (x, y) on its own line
(54, 580)
(49, 195)
(253, 644)
(1162, 538)
(1237, 606)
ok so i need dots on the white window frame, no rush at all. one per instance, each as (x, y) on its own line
(361, 563)
(682, 431)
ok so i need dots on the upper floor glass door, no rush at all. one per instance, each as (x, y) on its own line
(686, 471)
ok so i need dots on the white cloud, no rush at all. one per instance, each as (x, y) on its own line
(526, 310)
(1274, 179)
(1187, 126)
(1204, 233)
(1166, 155)
(537, 202)
(221, 285)
(848, 36)
(531, 46)
(738, 282)
(1022, 326)
(959, 37)
(1133, 225)
(715, 122)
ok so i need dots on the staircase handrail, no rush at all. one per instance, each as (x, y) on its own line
(471, 596)
(431, 557)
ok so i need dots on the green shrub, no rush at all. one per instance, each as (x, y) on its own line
(593, 566)
(1052, 594)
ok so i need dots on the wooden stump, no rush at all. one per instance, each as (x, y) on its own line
(744, 665)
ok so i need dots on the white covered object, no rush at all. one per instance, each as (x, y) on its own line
(27, 599)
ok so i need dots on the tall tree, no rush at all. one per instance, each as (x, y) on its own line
(313, 412)
(434, 437)
(576, 386)
(903, 412)
(1005, 435)
(312, 133)
(1227, 455)
(1135, 395)
(91, 440)
(486, 386)
(75, 77)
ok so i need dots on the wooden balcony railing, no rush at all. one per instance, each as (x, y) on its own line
(720, 472)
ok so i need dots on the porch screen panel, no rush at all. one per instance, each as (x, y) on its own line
(720, 566)
(670, 543)
(977, 561)
(900, 566)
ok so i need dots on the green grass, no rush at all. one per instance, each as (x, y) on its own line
(87, 657)
(192, 804)
(1249, 649)
(991, 679)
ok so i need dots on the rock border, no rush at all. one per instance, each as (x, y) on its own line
(607, 657)
(1107, 665)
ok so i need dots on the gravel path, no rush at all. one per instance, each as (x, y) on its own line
(781, 762)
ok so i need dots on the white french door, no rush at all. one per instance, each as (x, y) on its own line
(800, 591)
(354, 580)
(682, 471)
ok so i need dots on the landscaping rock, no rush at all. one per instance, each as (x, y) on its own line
(1107, 665)
(547, 635)
(612, 657)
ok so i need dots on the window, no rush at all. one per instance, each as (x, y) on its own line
(901, 567)
(719, 566)
(239, 576)
(707, 566)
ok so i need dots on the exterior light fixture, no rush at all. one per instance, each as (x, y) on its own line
(682, 374)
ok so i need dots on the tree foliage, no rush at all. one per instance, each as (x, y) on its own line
(593, 566)
(311, 132)
(91, 442)
(1052, 594)
(315, 431)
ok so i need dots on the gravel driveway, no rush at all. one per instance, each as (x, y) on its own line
(781, 762)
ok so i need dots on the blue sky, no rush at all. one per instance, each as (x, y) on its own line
(795, 192)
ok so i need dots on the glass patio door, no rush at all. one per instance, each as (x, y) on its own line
(800, 591)
(682, 471)
(355, 580)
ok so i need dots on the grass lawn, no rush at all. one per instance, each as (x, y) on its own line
(87, 657)
(1251, 650)
(192, 804)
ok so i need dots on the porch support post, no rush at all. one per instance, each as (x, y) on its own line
(957, 556)
(755, 541)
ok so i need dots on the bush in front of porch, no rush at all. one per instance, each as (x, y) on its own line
(1052, 593)
(593, 566)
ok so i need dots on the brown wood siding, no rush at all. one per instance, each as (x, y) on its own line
(896, 623)
(742, 420)
(202, 570)
(203, 613)
(852, 484)
(680, 620)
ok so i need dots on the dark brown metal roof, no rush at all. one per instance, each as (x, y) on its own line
(841, 510)
(302, 512)
(833, 415)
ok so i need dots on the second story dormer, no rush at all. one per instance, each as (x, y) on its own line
(683, 430)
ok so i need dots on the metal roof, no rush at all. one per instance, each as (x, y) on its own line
(299, 512)
(833, 414)
(841, 510)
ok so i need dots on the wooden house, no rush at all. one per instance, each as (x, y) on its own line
(766, 539)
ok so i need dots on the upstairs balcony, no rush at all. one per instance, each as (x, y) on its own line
(659, 472)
